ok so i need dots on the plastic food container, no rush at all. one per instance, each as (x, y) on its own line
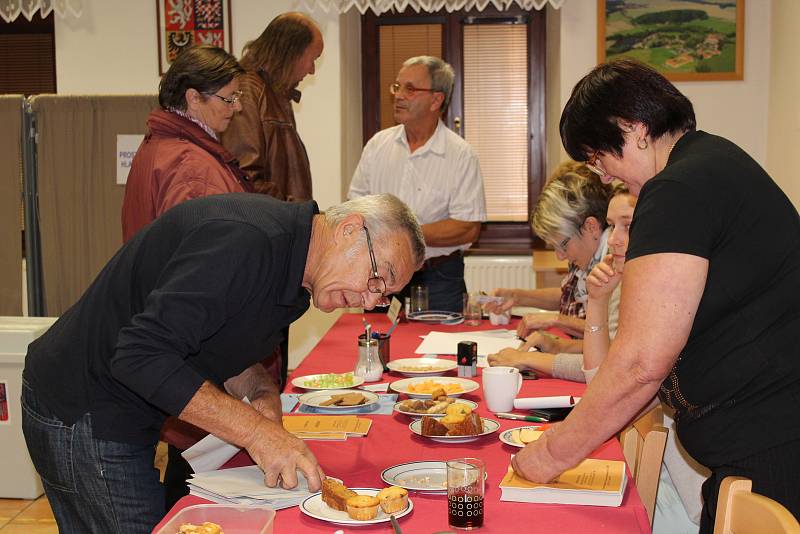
(233, 519)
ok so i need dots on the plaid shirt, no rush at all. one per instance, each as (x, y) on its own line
(569, 305)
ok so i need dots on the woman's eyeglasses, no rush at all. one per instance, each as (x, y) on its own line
(232, 101)
(592, 165)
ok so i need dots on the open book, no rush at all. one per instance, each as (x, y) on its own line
(592, 482)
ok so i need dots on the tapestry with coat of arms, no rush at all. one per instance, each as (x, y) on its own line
(183, 23)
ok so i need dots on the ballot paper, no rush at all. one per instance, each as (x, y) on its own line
(535, 403)
(447, 342)
(326, 427)
(245, 486)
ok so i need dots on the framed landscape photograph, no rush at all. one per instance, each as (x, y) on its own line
(683, 39)
(183, 23)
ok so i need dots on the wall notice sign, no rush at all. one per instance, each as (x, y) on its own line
(127, 145)
(3, 403)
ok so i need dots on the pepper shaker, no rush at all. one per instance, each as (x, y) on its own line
(467, 359)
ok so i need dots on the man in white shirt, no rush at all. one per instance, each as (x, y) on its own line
(434, 171)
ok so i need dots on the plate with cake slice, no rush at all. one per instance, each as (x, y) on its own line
(416, 408)
(356, 506)
(519, 437)
(454, 429)
(338, 399)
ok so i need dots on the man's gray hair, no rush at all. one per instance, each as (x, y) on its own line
(383, 215)
(441, 74)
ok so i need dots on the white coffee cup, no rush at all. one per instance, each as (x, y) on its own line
(500, 387)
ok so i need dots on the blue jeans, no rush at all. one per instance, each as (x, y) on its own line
(445, 283)
(93, 485)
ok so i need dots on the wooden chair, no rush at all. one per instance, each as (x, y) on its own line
(643, 446)
(740, 511)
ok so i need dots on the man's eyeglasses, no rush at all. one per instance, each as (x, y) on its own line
(592, 165)
(232, 101)
(375, 284)
(408, 89)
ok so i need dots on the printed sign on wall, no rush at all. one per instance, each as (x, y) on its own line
(127, 145)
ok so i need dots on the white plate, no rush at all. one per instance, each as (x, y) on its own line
(430, 477)
(314, 507)
(416, 415)
(436, 317)
(401, 386)
(316, 398)
(509, 437)
(301, 380)
(435, 366)
(489, 426)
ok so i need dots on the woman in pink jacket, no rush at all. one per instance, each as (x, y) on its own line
(181, 157)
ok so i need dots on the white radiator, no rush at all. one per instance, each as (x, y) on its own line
(484, 273)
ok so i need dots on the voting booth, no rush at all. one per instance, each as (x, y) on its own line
(19, 480)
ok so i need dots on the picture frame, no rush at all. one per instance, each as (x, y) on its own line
(182, 23)
(683, 40)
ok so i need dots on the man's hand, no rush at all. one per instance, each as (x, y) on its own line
(276, 451)
(280, 455)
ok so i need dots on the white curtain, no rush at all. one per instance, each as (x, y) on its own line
(428, 6)
(11, 9)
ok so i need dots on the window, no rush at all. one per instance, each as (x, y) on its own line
(497, 103)
(28, 56)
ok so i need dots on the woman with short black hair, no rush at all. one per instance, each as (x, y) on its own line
(181, 157)
(710, 315)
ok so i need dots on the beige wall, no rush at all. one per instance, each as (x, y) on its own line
(783, 136)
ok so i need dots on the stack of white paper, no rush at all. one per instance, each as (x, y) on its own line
(245, 486)
(447, 342)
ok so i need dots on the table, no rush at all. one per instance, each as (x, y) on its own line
(360, 461)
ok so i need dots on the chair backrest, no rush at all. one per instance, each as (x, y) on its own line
(643, 446)
(740, 511)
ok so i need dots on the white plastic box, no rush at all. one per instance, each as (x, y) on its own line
(233, 519)
(18, 478)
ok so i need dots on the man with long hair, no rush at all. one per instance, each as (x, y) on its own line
(263, 136)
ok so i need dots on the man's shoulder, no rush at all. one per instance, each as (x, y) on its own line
(454, 144)
(387, 134)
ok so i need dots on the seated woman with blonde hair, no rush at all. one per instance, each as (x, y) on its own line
(571, 215)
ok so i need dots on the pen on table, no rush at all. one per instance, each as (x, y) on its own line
(524, 340)
(517, 417)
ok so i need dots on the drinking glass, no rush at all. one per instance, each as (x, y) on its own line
(465, 492)
(419, 299)
(472, 309)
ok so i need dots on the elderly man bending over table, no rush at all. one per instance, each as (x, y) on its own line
(193, 299)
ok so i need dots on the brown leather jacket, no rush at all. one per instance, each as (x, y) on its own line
(264, 138)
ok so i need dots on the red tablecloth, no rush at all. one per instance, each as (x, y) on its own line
(360, 461)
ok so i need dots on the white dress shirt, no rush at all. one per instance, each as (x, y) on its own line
(440, 180)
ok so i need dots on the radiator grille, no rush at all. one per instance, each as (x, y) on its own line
(484, 273)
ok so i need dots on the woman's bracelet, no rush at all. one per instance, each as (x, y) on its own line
(593, 328)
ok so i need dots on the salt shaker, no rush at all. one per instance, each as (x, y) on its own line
(369, 364)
